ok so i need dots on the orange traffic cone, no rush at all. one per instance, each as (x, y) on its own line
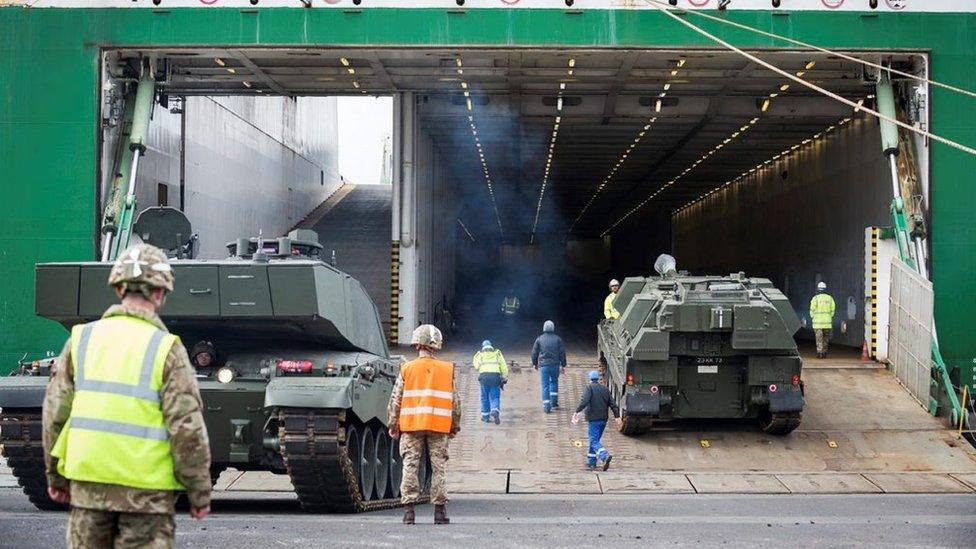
(865, 357)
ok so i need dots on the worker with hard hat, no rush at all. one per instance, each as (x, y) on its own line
(123, 425)
(426, 411)
(549, 357)
(492, 376)
(822, 309)
(609, 311)
(510, 304)
(596, 400)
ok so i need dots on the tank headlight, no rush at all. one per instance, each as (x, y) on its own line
(225, 375)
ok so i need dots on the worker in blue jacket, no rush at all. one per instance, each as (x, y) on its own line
(596, 400)
(549, 357)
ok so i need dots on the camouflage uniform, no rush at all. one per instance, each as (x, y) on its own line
(823, 340)
(412, 448)
(103, 515)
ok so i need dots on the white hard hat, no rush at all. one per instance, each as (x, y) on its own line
(614, 282)
(821, 285)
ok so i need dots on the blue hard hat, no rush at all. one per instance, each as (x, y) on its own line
(485, 344)
(594, 375)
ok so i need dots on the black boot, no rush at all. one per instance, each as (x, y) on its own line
(409, 516)
(440, 515)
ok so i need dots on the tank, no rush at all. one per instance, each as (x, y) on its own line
(702, 347)
(291, 360)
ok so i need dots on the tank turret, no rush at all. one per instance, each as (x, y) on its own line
(280, 290)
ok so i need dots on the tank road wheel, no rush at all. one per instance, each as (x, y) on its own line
(324, 456)
(20, 440)
(382, 463)
(367, 463)
(396, 469)
(779, 423)
(354, 452)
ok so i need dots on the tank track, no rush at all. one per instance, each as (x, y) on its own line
(314, 449)
(635, 425)
(781, 423)
(20, 436)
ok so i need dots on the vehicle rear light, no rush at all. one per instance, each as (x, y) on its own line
(654, 389)
(630, 379)
(772, 388)
(796, 380)
(294, 366)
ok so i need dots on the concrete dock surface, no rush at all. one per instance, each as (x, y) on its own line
(547, 521)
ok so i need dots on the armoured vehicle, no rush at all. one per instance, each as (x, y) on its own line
(702, 347)
(291, 359)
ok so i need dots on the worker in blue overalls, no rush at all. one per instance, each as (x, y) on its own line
(492, 375)
(596, 401)
(549, 357)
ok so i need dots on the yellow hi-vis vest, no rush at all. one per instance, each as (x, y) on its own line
(490, 362)
(116, 433)
(609, 311)
(822, 311)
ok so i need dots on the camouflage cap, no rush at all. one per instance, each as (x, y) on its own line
(427, 335)
(142, 266)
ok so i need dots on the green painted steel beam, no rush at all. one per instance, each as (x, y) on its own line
(49, 75)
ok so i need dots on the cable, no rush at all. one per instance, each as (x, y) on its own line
(823, 50)
(812, 86)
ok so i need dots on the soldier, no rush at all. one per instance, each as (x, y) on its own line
(122, 423)
(425, 408)
(822, 316)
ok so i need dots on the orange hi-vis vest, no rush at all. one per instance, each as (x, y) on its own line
(428, 396)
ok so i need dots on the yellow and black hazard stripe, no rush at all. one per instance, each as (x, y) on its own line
(872, 310)
(395, 292)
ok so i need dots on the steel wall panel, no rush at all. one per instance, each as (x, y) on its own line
(799, 229)
(910, 330)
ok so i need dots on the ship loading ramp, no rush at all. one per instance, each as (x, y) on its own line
(546, 172)
(883, 443)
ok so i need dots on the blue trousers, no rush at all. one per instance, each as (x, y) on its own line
(549, 375)
(491, 393)
(596, 449)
